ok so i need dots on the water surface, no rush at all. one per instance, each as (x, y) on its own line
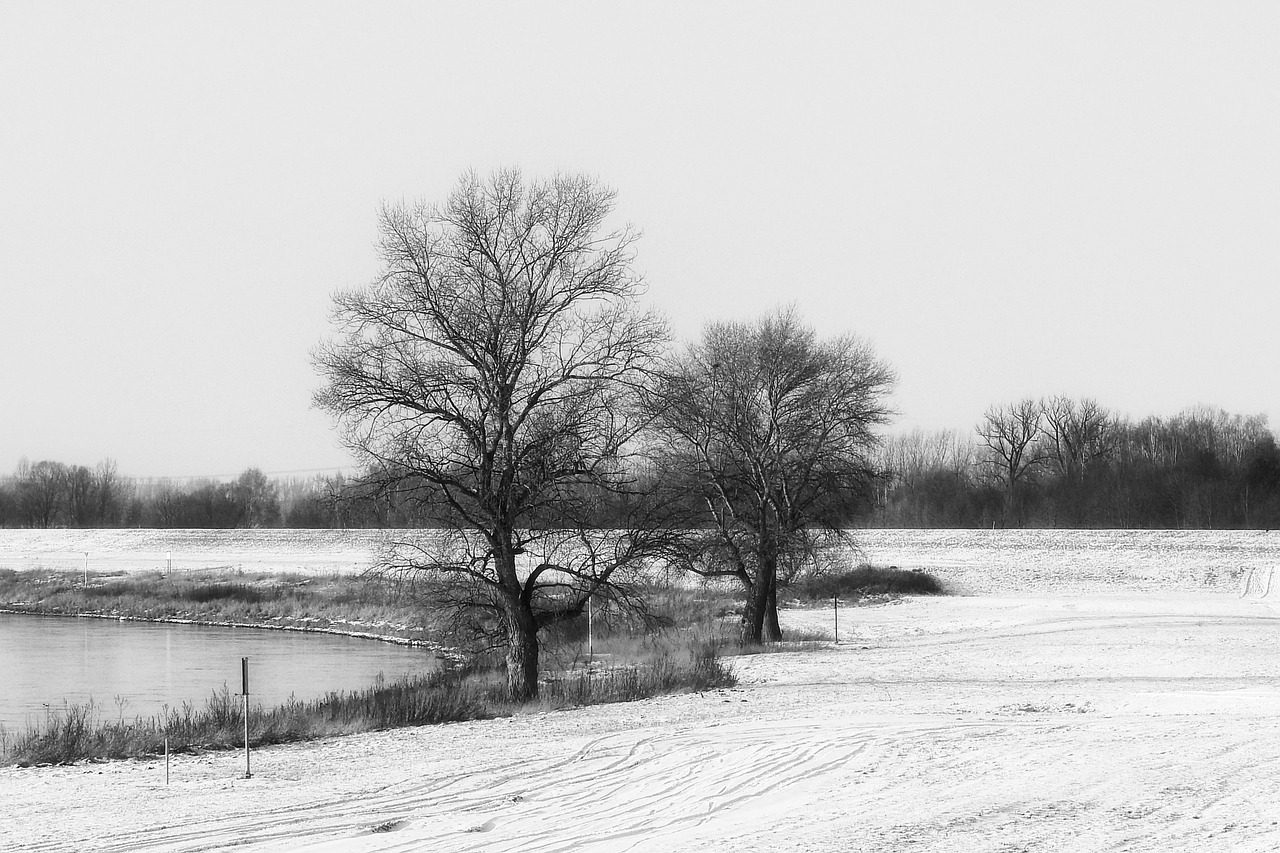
(136, 668)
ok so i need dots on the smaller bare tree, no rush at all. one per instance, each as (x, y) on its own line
(770, 431)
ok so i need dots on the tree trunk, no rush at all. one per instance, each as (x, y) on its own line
(772, 630)
(767, 578)
(753, 611)
(760, 616)
(522, 654)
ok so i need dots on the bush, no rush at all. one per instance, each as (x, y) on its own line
(868, 580)
(228, 592)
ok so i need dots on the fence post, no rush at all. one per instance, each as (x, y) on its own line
(835, 609)
(244, 674)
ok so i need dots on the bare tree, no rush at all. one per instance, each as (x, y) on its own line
(41, 490)
(488, 374)
(256, 499)
(1011, 435)
(109, 493)
(78, 496)
(771, 430)
(1078, 433)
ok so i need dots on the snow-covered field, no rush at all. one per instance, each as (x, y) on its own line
(305, 551)
(968, 561)
(1131, 705)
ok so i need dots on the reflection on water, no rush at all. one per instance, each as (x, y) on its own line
(136, 668)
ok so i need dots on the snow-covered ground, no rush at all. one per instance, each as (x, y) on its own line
(305, 551)
(968, 561)
(989, 561)
(1130, 706)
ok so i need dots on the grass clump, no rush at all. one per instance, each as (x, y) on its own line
(79, 732)
(705, 670)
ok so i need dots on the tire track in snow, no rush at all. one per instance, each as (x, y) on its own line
(624, 791)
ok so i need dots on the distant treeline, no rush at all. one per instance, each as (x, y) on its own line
(1071, 463)
(52, 494)
(1046, 463)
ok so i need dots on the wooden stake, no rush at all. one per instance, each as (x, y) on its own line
(244, 673)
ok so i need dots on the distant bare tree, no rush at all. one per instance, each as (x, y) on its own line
(1078, 433)
(256, 498)
(109, 493)
(166, 505)
(41, 491)
(1011, 436)
(78, 496)
(488, 375)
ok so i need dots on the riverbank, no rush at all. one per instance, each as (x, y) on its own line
(269, 625)
(345, 605)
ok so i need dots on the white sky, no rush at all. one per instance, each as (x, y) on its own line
(1007, 199)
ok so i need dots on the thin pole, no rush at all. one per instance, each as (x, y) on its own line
(166, 761)
(835, 608)
(590, 649)
(244, 673)
(86, 568)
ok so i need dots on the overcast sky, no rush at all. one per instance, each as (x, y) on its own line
(1007, 199)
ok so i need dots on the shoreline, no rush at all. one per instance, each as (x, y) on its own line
(445, 653)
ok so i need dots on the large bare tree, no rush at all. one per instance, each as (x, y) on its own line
(770, 429)
(488, 374)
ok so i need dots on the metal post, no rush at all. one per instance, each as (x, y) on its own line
(166, 761)
(244, 673)
(86, 569)
(835, 608)
(590, 649)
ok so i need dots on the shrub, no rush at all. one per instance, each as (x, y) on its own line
(243, 593)
(868, 580)
(664, 674)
